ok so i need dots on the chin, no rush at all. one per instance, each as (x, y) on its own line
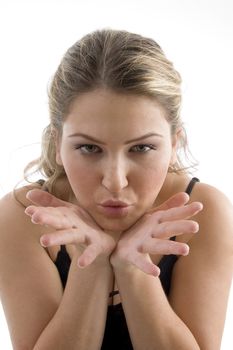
(116, 225)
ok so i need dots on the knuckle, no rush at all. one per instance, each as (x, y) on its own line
(64, 210)
(157, 215)
(165, 227)
(171, 248)
(141, 248)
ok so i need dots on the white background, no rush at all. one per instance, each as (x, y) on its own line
(196, 35)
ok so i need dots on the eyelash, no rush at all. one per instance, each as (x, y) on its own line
(85, 146)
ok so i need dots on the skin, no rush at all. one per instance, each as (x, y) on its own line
(111, 168)
(127, 247)
(114, 170)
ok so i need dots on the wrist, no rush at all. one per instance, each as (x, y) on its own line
(118, 261)
(102, 260)
(126, 259)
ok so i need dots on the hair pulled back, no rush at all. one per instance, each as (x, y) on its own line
(118, 60)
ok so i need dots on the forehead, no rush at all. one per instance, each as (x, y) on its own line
(108, 111)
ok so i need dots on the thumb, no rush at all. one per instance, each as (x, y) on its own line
(177, 200)
(46, 199)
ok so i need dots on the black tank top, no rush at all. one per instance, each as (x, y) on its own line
(116, 336)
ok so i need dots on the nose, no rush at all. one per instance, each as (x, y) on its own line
(114, 177)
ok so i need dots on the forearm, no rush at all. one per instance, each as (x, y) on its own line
(79, 322)
(151, 321)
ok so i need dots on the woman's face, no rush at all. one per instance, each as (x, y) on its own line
(116, 150)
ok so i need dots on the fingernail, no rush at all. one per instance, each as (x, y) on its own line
(156, 271)
(28, 194)
(196, 229)
(43, 244)
(186, 252)
(80, 265)
(28, 210)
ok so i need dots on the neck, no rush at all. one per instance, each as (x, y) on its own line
(166, 190)
(173, 184)
(114, 234)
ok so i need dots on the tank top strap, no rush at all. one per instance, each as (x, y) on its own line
(40, 182)
(63, 248)
(188, 191)
(191, 185)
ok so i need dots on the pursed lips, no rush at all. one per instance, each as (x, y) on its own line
(114, 208)
(114, 203)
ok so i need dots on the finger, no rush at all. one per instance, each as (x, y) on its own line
(164, 247)
(55, 217)
(179, 199)
(173, 228)
(178, 213)
(46, 199)
(89, 255)
(63, 237)
(146, 266)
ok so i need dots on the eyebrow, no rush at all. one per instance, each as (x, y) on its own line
(91, 138)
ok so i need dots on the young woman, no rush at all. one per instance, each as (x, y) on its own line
(118, 248)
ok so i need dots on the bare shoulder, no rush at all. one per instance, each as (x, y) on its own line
(216, 217)
(30, 287)
(14, 223)
(201, 281)
(209, 194)
(12, 207)
(17, 197)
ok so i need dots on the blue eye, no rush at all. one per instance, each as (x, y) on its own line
(143, 148)
(88, 149)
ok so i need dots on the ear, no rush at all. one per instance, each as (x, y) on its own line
(57, 139)
(58, 157)
(175, 144)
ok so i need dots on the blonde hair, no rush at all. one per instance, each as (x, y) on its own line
(118, 60)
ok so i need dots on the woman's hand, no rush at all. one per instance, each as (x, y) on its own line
(73, 225)
(151, 233)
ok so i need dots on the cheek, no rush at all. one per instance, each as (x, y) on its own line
(153, 181)
(156, 168)
(153, 178)
(80, 178)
